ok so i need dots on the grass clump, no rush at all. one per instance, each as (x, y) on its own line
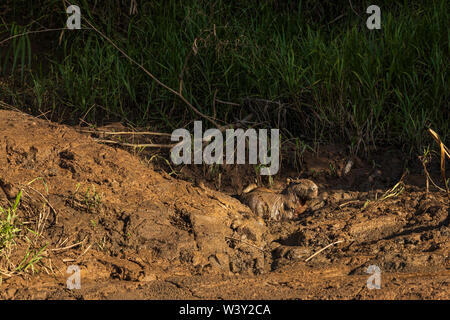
(8, 224)
(18, 251)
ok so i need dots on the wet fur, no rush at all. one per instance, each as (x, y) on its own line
(288, 204)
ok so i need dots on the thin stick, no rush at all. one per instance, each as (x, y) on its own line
(149, 133)
(315, 254)
(9, 107)
(351, 6)
(31, 32)
(143, 145)
(350, 202)
(87, 249)
(444, 152)
(439, 141)
(55, 213)
(228, 103)
(429, 179)
(68, 247)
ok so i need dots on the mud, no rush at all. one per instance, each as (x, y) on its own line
(138, 233)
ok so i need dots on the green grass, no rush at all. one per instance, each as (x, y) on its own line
(9, 234)
(8, 224)
(89, 200)
(337, 82)
(14, 235)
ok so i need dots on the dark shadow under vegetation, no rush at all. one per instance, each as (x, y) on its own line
(310, 68)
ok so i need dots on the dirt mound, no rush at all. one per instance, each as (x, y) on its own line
(106, 200)
(138, 233)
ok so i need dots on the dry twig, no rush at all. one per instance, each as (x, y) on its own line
(315, 254)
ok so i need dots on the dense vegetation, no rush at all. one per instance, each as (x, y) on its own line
(311, 68)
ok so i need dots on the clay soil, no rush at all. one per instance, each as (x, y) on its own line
(137, 232)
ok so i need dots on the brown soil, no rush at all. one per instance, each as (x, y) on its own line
(138, 233)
